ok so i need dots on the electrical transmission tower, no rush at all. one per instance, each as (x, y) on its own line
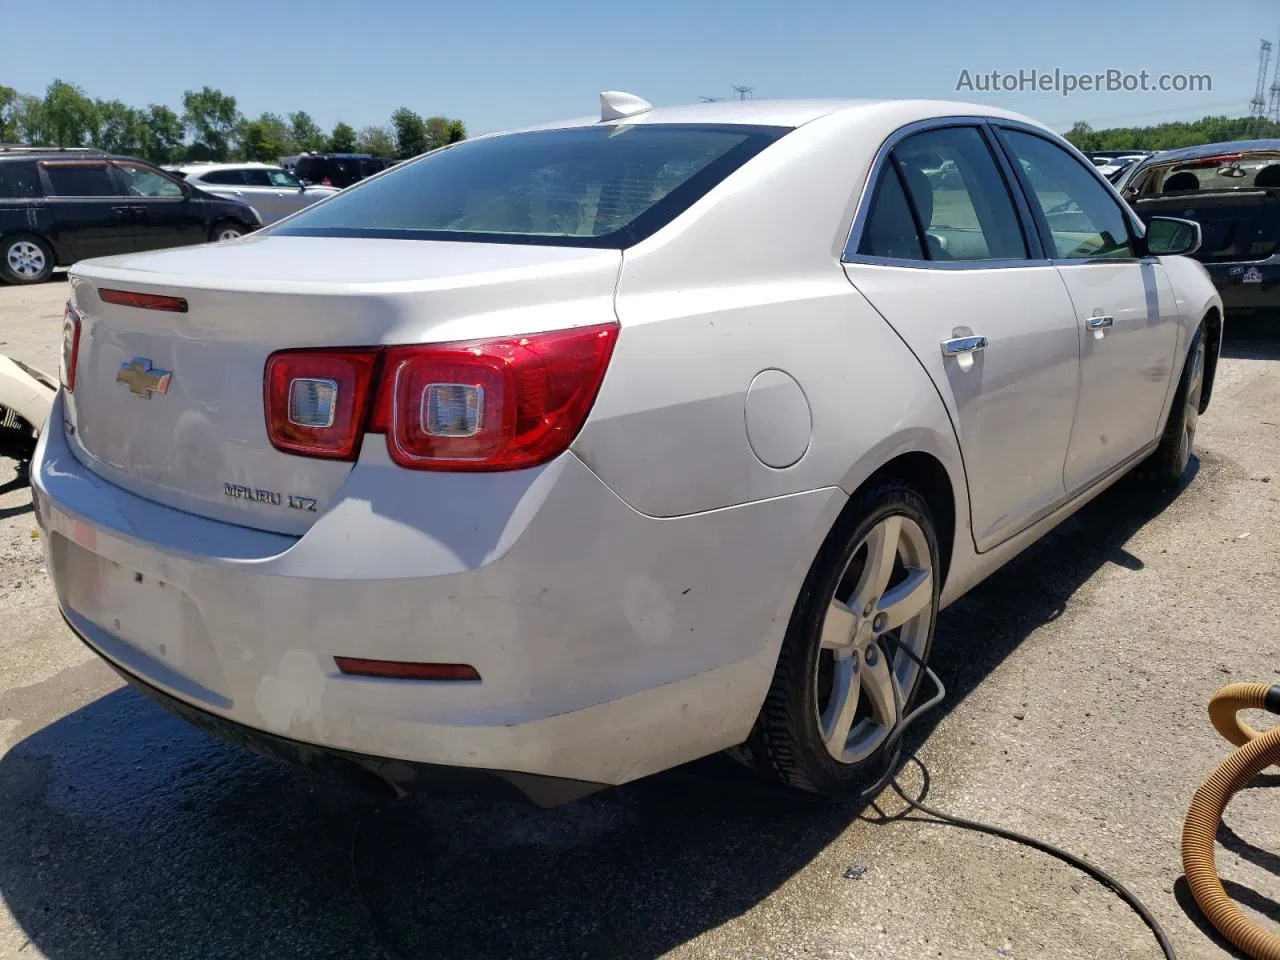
(744, 93)
(1273, 107)
(1258, 105)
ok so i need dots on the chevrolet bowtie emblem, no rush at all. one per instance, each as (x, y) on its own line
(141, 380)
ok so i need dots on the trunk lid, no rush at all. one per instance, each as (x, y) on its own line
(1234, 227)
(201, 445)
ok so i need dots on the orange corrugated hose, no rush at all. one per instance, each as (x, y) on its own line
(1255, 752)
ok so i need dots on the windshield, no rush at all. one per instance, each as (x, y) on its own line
(603, 186)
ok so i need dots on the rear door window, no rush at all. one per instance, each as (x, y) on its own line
(19, 180)
(955, 195)
(80, 180)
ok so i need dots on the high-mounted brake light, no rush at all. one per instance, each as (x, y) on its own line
(143, 301)
(501, 404)
(317, 400)
(70, 347)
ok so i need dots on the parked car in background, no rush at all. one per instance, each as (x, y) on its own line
(26, 395)
(1113, 163)
(273, 192)
(501, 463)
(57, 207)
(334, 169)
(1233, 191)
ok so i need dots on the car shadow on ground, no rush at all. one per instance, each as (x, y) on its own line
(123, 832)
(1252, 338)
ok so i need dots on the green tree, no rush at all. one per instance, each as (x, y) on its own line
(28, 118)
(161, 133)
(264, 139)
(278, 132)
(442, 131)
(343, 138)
(377, 140)
(119, 128)
(307, 135)
(411, 133)
(8, 114)
(67, 115)
(212, 118)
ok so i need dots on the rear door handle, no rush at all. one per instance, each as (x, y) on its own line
(1099, 323)
(957, 346)
(121, 211)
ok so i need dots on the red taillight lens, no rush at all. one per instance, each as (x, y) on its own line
(491, 404)
(499, 404)
(143, 301)
(70, 348)
(317, 400)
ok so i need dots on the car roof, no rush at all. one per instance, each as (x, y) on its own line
(1212, 149)
(790, 113)
(206, 166)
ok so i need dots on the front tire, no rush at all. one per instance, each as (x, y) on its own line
(226, 230)
(1168, 463)
(25, 258)
(842, 685)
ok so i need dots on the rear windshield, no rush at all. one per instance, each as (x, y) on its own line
(1227, 173)
(605, 186)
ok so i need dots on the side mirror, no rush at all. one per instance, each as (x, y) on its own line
(1172, 236)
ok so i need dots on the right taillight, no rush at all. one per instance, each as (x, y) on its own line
(70, 348)
(491, 404)
(500, 404)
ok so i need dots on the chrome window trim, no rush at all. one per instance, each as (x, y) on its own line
(988, 127)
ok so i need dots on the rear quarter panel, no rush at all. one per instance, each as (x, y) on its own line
(749, 280)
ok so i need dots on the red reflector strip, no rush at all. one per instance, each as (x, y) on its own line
(399, 670)
(143, 301)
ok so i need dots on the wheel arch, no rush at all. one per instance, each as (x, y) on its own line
(1212, 322)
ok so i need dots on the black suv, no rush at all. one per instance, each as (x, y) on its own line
(60, 206)
(334, 169)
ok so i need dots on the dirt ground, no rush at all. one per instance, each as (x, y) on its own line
(1077, 680)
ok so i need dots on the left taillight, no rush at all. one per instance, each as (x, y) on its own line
(317, 401)
(70, 348)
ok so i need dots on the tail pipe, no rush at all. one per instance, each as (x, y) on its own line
(1255, 752)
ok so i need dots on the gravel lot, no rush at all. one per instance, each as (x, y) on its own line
(1078, 681)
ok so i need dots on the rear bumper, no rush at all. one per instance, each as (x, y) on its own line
(610, 644)
(1247, 287)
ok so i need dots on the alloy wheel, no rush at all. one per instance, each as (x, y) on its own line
(229, 233)
(25, 259)
(884, 600)
(1191, 414)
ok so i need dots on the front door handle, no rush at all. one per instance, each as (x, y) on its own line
(957, 346)
(1099, 323)
(121, 211)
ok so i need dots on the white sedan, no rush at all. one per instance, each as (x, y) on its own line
(576, 453)
(273, 192)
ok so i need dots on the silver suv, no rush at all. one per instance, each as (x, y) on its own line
(273, 192)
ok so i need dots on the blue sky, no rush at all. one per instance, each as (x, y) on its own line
(503, 63)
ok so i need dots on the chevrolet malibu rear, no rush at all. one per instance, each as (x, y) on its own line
(510, 460)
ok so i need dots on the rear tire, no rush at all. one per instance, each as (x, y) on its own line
(226, 230)
(840, 687)
(25, 258)
(1168, 463)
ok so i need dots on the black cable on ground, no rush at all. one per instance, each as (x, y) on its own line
(940, 816)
